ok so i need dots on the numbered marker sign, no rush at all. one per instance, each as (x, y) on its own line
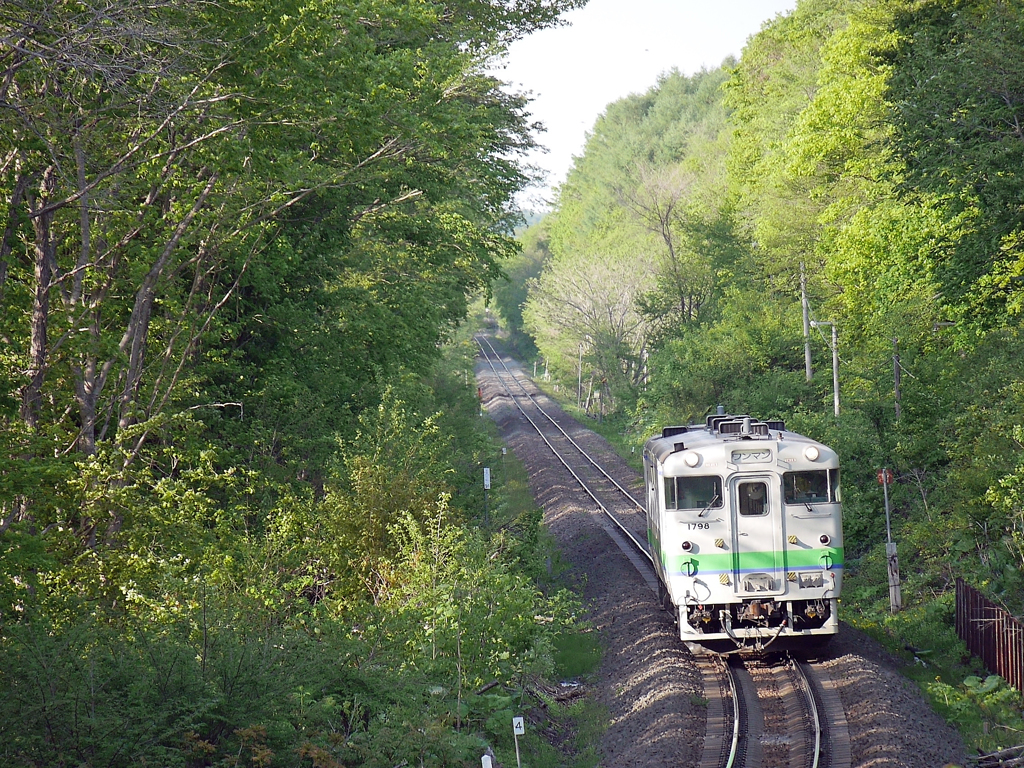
(518, 727)
(487, 478)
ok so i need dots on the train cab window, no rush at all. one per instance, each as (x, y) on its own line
(702, 492)
(753, 499)
(811, 487)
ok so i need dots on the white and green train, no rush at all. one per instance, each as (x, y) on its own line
(745, 525)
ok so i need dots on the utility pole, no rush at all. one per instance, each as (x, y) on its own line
(807, 322)
(835, 368)
(835, 361)
(896, 373)
(579, 385)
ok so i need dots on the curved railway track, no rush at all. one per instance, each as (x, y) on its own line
(787, 717)
(777, 712)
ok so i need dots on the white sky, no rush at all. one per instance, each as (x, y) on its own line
(612, 48)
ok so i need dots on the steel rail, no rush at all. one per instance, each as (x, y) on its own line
(812, 708)
(557, 426)
(559, 456)
(720, 750)
(735, 745)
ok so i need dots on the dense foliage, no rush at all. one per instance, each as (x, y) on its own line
(871, 148)
(238, 477)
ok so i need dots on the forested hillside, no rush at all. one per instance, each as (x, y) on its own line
(874, 147)
(240, 448)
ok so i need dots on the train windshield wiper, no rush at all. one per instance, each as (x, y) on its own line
(709, 506)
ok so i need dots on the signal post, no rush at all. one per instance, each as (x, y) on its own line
(885, 479)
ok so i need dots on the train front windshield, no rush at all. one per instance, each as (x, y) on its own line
(811, 487)
(702, 492)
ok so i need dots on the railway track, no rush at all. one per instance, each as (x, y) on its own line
(788, 715)
(622, 514)
(776, 712)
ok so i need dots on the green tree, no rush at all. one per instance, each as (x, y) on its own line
(190, 214)
(583, 309)
(641, 234)
(511, 290)
(957, 104)
(774, 82)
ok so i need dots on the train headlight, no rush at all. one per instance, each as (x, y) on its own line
(691, 459)
(687, 546)
(811, 453)
(825, 539)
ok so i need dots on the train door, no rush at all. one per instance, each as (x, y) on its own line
(758, 555)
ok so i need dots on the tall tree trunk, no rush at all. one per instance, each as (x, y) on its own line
(87, 384)
(134, 340)
(86, 393)
(10, 228)
(42, 223)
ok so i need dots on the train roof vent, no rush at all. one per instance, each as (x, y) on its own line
(716, 419)
(743, 425)
(671, 431)
(776, 424)
(715, 422)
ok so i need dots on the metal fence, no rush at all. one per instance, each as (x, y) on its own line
(991, 634)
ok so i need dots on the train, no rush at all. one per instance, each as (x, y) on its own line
(744, 524)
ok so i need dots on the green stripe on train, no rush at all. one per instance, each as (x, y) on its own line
(793, 559)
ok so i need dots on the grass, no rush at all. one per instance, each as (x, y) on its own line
(577, 656)
(985, 711)
(559, 735)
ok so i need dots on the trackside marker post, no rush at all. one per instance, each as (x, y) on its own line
(518, 729)
(487, 487)
(885, 479)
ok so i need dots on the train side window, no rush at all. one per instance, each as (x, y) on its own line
(670, 493)
(810, 487)
(753, 498)
(833, 485)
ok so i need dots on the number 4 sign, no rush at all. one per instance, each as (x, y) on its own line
(518, 729)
